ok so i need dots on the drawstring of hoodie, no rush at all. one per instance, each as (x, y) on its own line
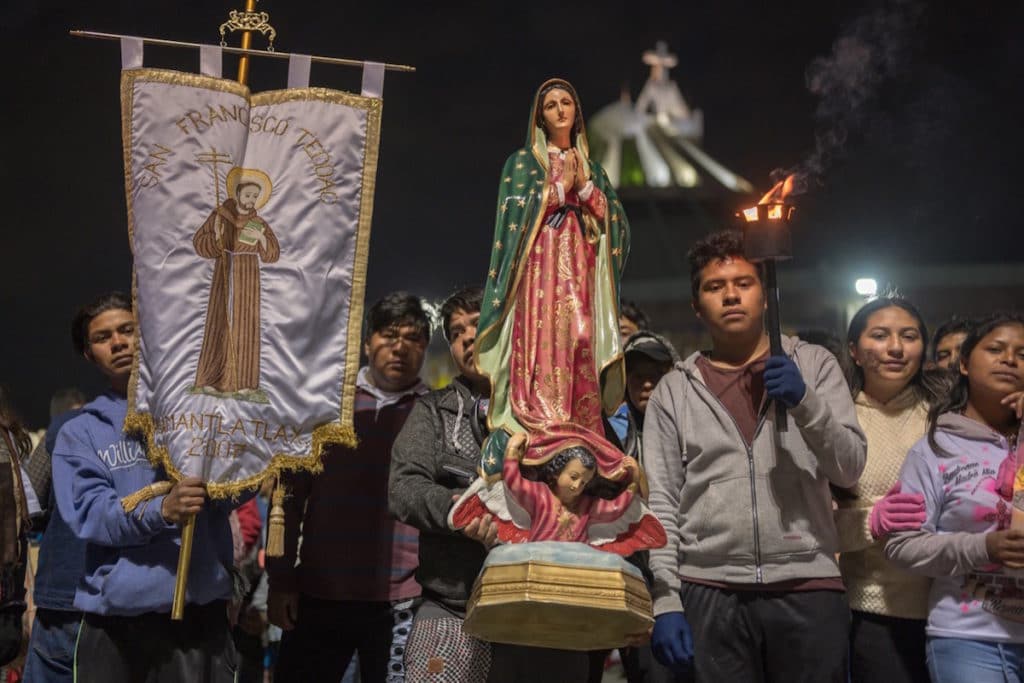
(458, 421)
(686, 409)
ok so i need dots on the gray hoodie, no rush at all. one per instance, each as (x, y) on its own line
(752, 514)
(970, 597)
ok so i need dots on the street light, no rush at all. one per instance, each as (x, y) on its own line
(866, 287)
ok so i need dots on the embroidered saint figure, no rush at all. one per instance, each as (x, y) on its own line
(237, 239)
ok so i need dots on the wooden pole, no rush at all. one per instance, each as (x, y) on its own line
(188, 529)
(338, 61)
(243, 61)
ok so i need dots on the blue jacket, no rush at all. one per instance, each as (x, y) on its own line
(131, 558)
(61, 554)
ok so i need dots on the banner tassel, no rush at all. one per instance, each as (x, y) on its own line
(275, 535)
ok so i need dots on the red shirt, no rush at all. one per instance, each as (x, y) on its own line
(741, 391)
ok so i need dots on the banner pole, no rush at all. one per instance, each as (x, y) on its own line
(338, 61)
(243, 61)
(188, 528)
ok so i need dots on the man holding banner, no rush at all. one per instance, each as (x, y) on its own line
(132, 555)
(259, 382)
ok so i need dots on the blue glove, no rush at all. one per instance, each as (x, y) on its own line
(783, 382)
(672, 642)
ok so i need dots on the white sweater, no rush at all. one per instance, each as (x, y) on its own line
(873, 583)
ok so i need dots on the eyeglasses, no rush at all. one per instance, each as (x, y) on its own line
(392, 335)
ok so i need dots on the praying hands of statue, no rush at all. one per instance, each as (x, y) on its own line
(569, 170)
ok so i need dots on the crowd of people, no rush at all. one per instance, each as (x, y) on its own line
(875, 537)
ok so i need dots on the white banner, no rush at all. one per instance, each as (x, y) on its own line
(249, 218)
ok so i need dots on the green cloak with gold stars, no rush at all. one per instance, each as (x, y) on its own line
(522, 198)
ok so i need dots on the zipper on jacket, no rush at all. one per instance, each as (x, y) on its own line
(759, 575)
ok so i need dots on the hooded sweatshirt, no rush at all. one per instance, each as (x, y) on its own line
(130, 558)
(739, 513)
(970, 597)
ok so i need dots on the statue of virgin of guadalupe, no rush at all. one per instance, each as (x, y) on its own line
(549, 339)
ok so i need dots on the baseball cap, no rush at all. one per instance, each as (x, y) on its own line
(649, 345)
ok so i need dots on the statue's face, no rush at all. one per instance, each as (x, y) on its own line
(247, 196)
(571, 482)
(559, 111)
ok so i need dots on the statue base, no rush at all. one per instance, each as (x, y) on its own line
(551, 594)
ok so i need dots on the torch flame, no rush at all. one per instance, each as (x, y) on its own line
(778, 194)
(775, 199)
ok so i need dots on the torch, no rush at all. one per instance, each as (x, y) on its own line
(766, 240)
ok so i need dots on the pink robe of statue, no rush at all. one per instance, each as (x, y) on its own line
(554, 382)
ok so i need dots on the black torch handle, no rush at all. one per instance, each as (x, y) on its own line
(774, 331)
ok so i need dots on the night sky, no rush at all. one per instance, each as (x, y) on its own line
(928, 171)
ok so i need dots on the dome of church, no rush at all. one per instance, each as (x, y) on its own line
(655, 143)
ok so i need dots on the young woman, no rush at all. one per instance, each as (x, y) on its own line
(886, 341)
(964, 470)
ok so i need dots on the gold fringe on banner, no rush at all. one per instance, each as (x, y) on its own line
(132, 501)
(323, 436)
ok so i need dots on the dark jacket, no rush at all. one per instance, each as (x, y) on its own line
(434, 458)
(61, 553)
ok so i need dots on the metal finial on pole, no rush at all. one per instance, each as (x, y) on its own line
(247, 21)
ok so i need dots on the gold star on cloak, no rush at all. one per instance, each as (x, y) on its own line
(519, 165)
(617, 251)
(491, 462)
(512, 227)
(508, 179)
(497, 245)
(521, 202)
(495, 302)
(493, 274)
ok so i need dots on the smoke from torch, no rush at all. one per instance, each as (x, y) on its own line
(870, 51)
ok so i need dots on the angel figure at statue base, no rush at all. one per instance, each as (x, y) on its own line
(556, 501)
